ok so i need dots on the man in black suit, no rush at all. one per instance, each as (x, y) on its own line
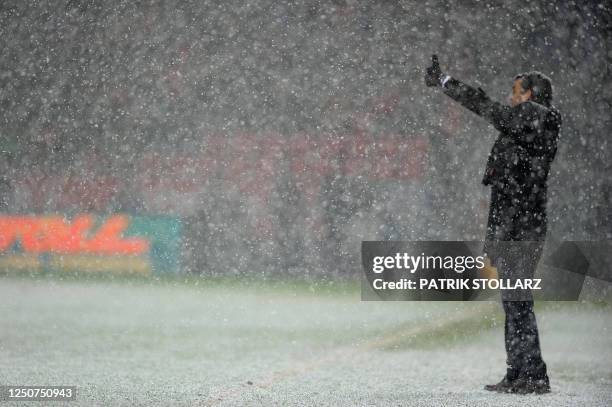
(517, 170)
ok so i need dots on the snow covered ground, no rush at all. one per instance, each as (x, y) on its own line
(166, 343)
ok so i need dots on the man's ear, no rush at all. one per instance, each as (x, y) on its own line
(528, 94)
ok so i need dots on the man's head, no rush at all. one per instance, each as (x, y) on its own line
(533, 86)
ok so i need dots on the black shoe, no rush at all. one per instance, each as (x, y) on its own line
(505, 386)
(531, 385)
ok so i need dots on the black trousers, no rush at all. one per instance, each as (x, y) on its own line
(515, 243)
(523, 353)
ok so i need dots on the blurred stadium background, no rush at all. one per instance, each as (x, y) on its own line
(281, 134)
(268, 139)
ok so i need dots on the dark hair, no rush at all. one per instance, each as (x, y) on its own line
(540, 85)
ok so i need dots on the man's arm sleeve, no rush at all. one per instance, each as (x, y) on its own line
(504, 118)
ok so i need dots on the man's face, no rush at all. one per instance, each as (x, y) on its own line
(519, 95)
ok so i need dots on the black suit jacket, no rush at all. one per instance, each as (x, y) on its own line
(519, 162)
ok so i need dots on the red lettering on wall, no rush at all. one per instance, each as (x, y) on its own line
(56, 234)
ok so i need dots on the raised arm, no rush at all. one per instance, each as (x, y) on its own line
(517, 120)
(512, 120)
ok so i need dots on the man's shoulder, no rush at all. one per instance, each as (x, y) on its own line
(531, 107)
(534, 111)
